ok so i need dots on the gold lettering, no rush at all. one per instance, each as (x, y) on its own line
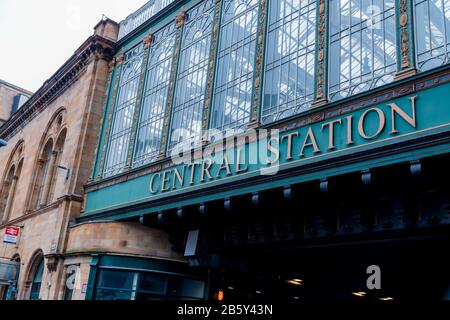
(238, 162)
(273, 150)
(331, 126)
(313, 143)
(289, 138)
(166, 180)
(381, 124)
(349, 130)
(152, 182)
(411, 120)
(225, 166)
(191, 180)
(206, 165)
(178, 177)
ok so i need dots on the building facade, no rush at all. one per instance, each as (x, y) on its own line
(12, 98)
(50, 144)
(272, 149)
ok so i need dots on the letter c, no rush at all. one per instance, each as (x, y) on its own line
(152, 182)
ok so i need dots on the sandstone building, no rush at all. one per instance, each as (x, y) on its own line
(50, 143)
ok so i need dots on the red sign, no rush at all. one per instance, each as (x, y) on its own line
(11, 235)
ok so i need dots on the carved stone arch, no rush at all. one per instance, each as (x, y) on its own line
(58, 149)
(42, 170)
(10, 180)
(36, 262)
(40, 191)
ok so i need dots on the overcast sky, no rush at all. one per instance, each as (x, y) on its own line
(37, 37)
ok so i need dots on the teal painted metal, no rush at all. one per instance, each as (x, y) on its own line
(92, 276)
(432, 117)
(102, 137)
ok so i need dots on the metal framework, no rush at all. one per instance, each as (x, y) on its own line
(364, 41)
(235, 65)
(362, 46)
(432, 25)
(192, 76)
(123, 114)
(290, 59)
(156, 92)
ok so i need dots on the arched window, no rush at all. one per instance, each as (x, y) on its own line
(432, 30)
(47, 164)
(9, 185)
(36, 280)
(235, 65)
(192, 76)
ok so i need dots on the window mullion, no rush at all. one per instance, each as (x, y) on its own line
(147, 43)
(180, 21)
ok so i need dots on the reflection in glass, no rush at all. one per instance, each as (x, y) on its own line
(192, 74)
(124, 111)
(362, 46)
(235, 64)
(290, 59)
(156, 90)
(432, 30)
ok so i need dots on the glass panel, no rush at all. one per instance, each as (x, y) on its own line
(290, 59)
(112, 294)
(192, 76)
(153, 283)
(186, 288)
(37, 280)
(115, 279)
(124, 111)
(432, 32)
(235, 64)
(156, 90)
(362, 46)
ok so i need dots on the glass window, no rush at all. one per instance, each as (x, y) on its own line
(37, 281)
(235, 64)
(114, 285)
(362, 52)
(156, 90)
(290, 59)
(122, 285)
(192, 75)
(119, 138)
(432, 30)
(187, 288)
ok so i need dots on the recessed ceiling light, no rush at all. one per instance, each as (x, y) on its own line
(387, 299)
(359, 294)
(295, 282)
(230, 288)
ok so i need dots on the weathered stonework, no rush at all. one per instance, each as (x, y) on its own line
(71, 100)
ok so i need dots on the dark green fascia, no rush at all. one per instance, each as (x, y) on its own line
(391, 85)
(408, 150)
